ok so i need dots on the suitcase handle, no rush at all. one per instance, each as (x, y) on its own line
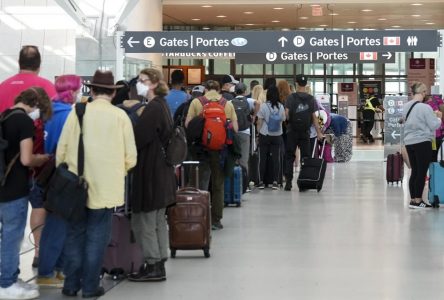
(190, 190)
(322, 151)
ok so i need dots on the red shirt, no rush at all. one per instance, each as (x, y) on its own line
(13, 86)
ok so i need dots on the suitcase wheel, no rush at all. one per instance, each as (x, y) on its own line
(116, 273)
(206, 252)
(173, 253)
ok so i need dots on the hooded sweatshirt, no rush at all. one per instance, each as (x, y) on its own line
(54, 126)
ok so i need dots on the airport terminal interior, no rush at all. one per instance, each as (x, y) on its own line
(356, 238)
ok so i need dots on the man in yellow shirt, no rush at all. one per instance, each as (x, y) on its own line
(211, 166)
(110, 151)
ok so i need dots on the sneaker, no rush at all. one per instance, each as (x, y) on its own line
(248, 190)
(261, 185)
(52, 282)
(17, 291)
(27, 285)
(288, 186)
(422, 204)
(217, 226)
(275, 186)
(60, 275)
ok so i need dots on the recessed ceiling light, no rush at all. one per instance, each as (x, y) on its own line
(206, 6)
(323, 25)
(206, 28)
(250, 24)
(302, 27)
(425, 20)
(314, 5)
(351, 22)
(275, 21)
(285, 29)
(278, 8)
(303, 18)
(416, 16)
(416, 4)
(333, 14)
(367, 10)
(195, 19)
(396, 26)
(248, 12)
(382, 19)
(430, 23)
(368, 29)
(221, 16)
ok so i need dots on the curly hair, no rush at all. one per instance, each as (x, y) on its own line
(36, 97)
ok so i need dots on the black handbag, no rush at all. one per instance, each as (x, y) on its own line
(67, 192)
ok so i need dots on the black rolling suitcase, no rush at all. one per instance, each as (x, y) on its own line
(312, 172)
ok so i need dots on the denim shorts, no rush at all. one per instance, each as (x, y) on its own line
(36, 195)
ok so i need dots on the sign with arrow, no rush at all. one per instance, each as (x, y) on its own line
(313, 57)
(281, 41)
(392, 123)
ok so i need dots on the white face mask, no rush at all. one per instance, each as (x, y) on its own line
(35, 114)
(142, 90)
(79, 97)
(232, 89)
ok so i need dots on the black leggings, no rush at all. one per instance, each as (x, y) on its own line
(420, 156)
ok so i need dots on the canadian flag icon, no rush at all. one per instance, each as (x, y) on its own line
(392, 40)
(368, 56)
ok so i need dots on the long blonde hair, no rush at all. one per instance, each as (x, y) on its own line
(257, 91)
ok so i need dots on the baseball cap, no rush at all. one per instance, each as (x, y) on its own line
(229, 79)
(198, 88)
(301, 80)
(240, 88)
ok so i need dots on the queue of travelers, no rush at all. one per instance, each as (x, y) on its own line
(121, 132)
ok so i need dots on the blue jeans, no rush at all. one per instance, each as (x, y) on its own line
(13, 216)
(51, 245)
(85, 246)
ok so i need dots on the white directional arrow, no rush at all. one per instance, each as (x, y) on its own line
(394, 134)
(283, 40)
(388, 55)
(131, 42)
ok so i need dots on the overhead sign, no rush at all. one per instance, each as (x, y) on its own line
(314, 57)
(280, 41)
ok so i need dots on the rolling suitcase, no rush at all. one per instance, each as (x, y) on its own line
(395, 168)
(436, 179)
(312, 173)
(189, 221)
(233, 187)
(123, 255)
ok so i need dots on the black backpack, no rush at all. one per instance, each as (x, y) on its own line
(243, 112)
(300, 115)
(132, 111)
(6, 168)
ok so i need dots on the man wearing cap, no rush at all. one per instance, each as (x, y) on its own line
(110, 151)
(228, 84)
(300, 111)
(245, 109)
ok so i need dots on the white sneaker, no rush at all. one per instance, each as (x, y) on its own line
(27, 285)
(17, 291)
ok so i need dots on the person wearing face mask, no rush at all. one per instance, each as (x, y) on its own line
(28, 76)
(18, 130)
(228, 85)
(420, 123)
(54, 232)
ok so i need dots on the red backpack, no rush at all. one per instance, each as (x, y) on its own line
(214, 133)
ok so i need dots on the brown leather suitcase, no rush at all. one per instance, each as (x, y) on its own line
(189, 221)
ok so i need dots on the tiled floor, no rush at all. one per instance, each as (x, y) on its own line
(356, 239)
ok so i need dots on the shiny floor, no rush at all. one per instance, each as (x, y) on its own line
(356, 239)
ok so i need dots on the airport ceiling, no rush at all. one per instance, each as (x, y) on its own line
(345, 14)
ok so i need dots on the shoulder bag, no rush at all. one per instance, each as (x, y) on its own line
(67, 192)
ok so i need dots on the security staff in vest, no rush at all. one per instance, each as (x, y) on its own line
(372, 104)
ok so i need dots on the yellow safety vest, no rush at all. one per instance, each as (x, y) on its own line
(368, 104)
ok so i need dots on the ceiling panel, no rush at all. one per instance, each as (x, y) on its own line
(295, 16)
